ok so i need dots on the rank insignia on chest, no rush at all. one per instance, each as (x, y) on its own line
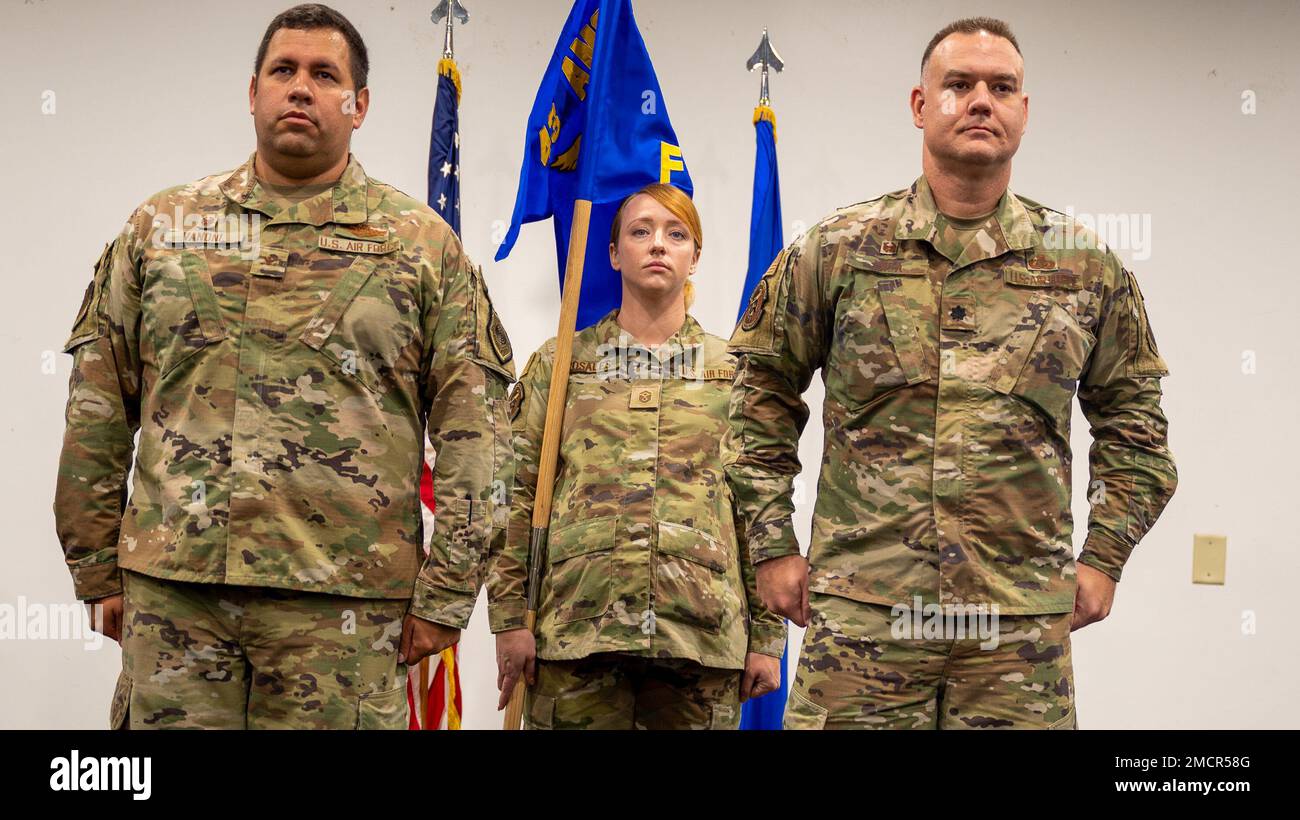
(272, 262)
(958, 313)
(644, 397)
(757, 302)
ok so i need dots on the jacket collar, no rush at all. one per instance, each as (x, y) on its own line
(608, 332)
(1008, 229)
(344, 204)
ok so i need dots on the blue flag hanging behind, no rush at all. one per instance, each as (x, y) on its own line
(765, 242)
(765, 234)
(444, 147)
(599, 131)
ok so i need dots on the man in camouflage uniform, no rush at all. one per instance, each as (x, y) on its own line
(953, 322)
(279, 336)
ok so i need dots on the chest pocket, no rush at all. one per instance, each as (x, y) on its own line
(882, 329)
(182, 316)
(360, 329)
(1046, 350)
(595, 411)
(692, 487)
(598, 438)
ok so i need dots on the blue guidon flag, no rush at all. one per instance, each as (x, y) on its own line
(765, 234)
(599, 131)
(765, 242)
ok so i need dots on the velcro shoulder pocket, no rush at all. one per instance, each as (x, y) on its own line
(491, 344)
(88, 325)
(1144, 356)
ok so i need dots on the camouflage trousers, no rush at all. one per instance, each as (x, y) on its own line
(613, 691)
(854, 673)
(212, 656)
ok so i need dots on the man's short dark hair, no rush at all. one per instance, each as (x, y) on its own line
(308, 16)
(970, 25)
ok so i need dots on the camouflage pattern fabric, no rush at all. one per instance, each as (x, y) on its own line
(950, 358)
(642, 552)
(854, 674)
(279, 360)
(614, 691)
(212, 656)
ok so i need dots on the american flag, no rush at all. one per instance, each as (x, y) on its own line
(444, 147)
(440, 696)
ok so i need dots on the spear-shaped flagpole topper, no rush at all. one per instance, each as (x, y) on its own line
(765, 57)
(451, 10)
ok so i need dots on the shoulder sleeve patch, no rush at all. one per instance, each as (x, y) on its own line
(760, 326)
(757, 303)
(500, 341)
(517, 399)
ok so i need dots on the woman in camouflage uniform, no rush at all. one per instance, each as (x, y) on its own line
(648, 616)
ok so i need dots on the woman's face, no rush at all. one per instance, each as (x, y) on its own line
(655, 251)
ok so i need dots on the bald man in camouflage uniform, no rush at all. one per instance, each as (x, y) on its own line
(280, 337)
(953, 323)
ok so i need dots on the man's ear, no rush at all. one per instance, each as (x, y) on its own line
(361, 104)
(252, 92)
(917, 104)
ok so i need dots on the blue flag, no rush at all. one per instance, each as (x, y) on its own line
(444, 147)
(765, 242)
(765, 234)
(599, 130)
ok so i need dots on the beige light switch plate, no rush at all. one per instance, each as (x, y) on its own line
(1209, 558)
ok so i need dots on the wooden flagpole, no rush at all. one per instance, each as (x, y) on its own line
(555, 401)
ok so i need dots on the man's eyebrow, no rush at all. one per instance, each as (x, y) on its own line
(320, 62)
(958, 74)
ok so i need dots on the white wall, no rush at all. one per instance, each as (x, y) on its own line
(1135, 108)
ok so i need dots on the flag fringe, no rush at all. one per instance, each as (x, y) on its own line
(763, 113)
(447, 68)
(453, 694)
